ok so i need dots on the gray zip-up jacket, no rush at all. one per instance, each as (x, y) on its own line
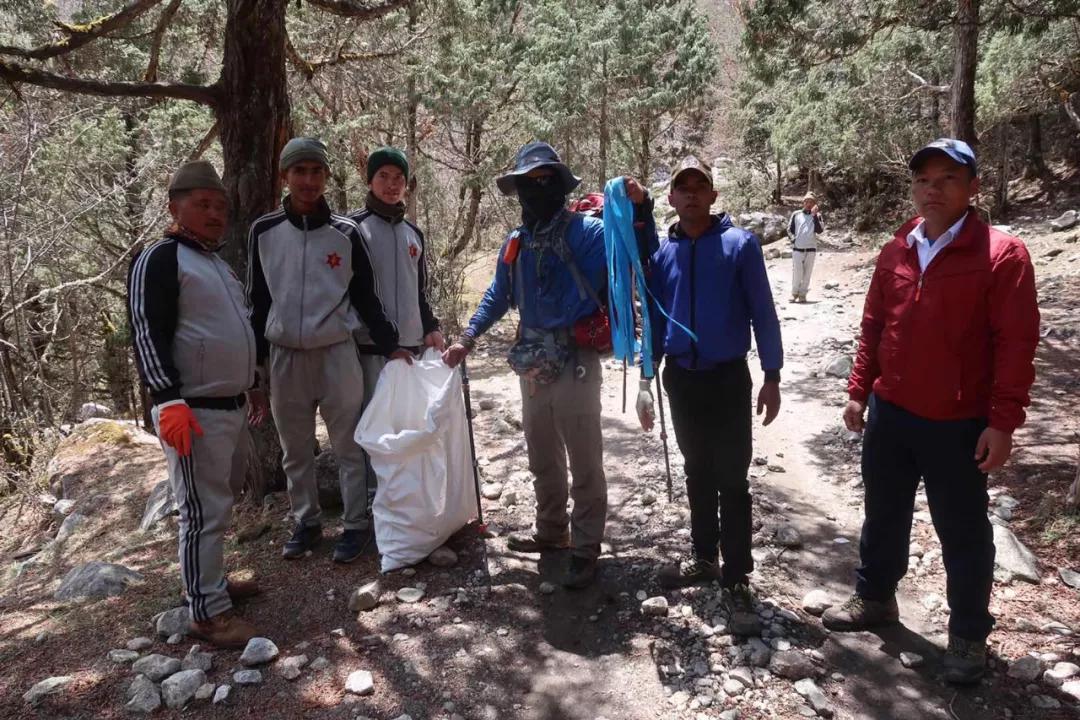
(803, 228)
(310, 282)
(397, 257)
(190, 325)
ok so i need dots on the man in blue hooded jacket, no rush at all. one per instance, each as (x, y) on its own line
(553, 268)
(710, 276)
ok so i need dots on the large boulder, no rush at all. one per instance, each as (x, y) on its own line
(96, 579)
(1066, 221)
(93, 410)
(159, 505)
(1013, 560)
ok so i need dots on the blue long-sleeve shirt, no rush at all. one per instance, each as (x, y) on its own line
(549, 298)
(717, 286)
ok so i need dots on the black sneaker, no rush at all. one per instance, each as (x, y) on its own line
(691, 571)
(351, 545)
(304, 538)
(581, 574)
(965, 661)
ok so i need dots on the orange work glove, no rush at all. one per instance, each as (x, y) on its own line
(176, 423)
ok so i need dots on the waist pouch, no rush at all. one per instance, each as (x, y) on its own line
(593, 332)
(541, 359)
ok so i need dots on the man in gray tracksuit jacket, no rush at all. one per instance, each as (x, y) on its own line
(310, 282)
(396, 247)
(195, 352)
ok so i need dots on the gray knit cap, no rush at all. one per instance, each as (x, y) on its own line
(300, 149)
(197, 175)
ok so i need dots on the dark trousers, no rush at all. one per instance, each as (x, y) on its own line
(711, 414)
(898, 449)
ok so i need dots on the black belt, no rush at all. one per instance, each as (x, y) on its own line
(804, 249)
(217, 403)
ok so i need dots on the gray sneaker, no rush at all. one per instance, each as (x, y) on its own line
(965, 661)
(858, 613)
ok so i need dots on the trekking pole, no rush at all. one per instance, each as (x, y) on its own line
(624, 386)
(663, 433)
(472, 444)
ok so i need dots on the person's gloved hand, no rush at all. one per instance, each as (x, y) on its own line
(645, 411)
(176, 423)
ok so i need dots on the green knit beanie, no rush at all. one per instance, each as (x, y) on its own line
(386, 156)
(300, 149)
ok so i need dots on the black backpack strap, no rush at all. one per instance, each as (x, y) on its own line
(562, 249)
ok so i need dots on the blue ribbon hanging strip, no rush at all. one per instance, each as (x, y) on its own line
(624, 270)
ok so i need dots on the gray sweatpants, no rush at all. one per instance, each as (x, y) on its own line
(372, 365)
(204, 496)
(562, 419)
(330, 379)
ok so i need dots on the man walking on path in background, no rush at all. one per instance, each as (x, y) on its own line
(310, 283)
(553, 268)
(396, 248)
(710, 276)
(945, 364)
(803, 228)
(196, 353)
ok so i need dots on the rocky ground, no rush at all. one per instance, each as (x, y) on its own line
(482, 633)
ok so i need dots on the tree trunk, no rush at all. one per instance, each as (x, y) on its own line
(1001, 192)
(1036, 164)
(935, 104)
(965, 58)
(254, 115)
(644, 152)
(605, 134)
(412, 99)
(253, 112)
(473, 190)
(778, 192)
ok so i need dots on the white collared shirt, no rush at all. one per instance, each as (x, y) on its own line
(927, 250)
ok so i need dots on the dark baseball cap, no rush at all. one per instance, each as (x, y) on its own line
(691, 164)
(956, 150)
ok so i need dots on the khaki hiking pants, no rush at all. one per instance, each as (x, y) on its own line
(562, 420)
(330, 379)
(204, 496)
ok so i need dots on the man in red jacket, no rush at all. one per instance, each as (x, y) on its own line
(945, 364)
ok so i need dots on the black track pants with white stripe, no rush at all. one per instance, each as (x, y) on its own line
(200, 484)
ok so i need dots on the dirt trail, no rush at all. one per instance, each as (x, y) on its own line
(488, 642)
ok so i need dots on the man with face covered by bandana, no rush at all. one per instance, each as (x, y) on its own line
(195, 351)
(553, 269)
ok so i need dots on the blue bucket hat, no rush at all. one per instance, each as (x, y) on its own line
(956, 150)
(532, 156)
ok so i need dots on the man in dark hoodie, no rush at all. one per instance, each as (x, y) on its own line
(310, 284)
(710, 276)
(553, 269)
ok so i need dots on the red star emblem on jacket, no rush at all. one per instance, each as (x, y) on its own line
(413, 251)
(333, 260)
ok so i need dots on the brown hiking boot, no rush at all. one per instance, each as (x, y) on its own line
(965, 661)
(531, 543)
(691, 571)
(227, 630)
(860, 614)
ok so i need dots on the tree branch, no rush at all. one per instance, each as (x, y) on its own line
(159, 35)
(203, 94)
(357, 9)
(79, 35)
(206, 142)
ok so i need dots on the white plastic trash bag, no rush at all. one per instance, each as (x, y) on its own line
(414, 429)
